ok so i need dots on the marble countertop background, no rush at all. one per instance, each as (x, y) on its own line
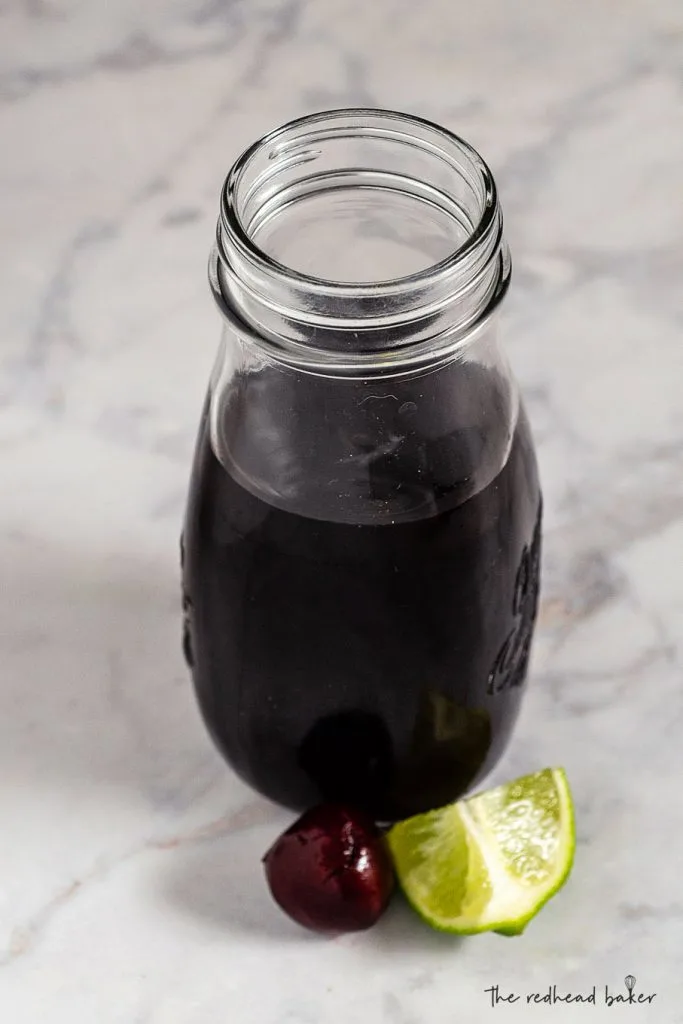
(130, 883)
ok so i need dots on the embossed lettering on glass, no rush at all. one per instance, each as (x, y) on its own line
(362, 539)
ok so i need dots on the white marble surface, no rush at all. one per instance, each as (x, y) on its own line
(130, 884)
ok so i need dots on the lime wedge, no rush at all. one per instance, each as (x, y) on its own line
(491, 862)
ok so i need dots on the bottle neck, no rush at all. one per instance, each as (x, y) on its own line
(359, 239)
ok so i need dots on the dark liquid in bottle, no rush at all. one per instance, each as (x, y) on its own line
(376, 664)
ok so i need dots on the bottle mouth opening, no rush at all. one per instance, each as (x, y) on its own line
(345, 224)
(383, 155)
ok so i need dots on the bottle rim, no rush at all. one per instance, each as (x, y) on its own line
(302, 315)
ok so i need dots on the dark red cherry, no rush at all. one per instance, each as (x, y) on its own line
(331, 870)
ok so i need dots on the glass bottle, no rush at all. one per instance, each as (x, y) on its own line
(362, 537)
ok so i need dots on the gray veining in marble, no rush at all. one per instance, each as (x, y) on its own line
(130, 883)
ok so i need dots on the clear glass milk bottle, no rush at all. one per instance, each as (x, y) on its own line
(362, 539)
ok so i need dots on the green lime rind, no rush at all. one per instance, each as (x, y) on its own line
(492, 862)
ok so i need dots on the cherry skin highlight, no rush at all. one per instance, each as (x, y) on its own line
(331, 871)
